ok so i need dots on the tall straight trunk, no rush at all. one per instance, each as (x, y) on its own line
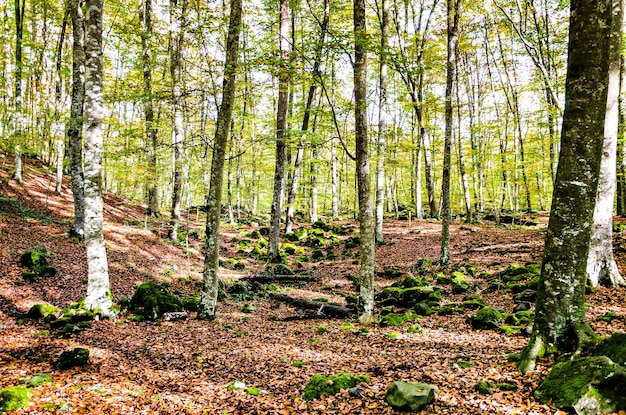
(314, 203)
(145, 18)
(177, 19)
(98, 288)
(291, 199)
(461, 157)
(601, 266)
(560, 321)
(382, 121)
(58, 84)
(453, 24)
(366, 220)
(208, 302)
(621, 146)
(281, 131)
(334, 179)
(75, 123)
(20, 7)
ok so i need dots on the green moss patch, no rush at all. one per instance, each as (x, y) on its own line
(37, 379)
(41, 310)
(486, 318)
(588, 385)
(330, 385)
(14, 397)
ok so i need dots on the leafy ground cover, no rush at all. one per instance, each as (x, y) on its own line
(190, 366)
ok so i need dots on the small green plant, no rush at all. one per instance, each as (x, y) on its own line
(393, 335)
(298, 363)
(347, 326)
(322, 329)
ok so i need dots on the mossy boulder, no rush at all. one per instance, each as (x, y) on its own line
(14, 397)
(410, 396)
(282, 269)
(407, 297)
(38, 379)
(486, 318)
(72, 358)
(34, 258)
(41, 310)
(395, 320)
(460, 283)
(589, 385)
(422, 265)
(408, 282)
(613, 347)
(151, 300)
(322, 385)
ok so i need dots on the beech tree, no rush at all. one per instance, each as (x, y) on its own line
(20, 7)
(281, 130)
(560, 319)
(208, 302)
(98, 289)
(75, 123)
(453, 37)
(601, 266)
(366, 217)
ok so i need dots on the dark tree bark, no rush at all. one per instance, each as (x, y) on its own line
(145, 18)
(20, 7)
(281, 131)
(366, 219)
(177, 21)
(75, 124)
(453, 37)
(208, 301)
(560, 319)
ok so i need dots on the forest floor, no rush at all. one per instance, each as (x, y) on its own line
(180, 367)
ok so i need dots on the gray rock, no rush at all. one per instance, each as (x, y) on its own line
(410, 396)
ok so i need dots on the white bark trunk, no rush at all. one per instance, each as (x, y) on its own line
(601, 266)
(98, 289)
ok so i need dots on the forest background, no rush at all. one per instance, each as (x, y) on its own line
(508, 100)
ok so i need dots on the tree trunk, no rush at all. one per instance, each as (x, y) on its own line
(366, 220)
(382, 121)
(208, 302)
(145, 18)
(177, 19)
(601, 266)
(75, 124)
(20, 7)
(281, 131)
(453, 23)
(98, 289)
(560, 320)
(58, 84)
(316, 74)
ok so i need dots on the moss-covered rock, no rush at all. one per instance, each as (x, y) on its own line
(408, 282)
(317, 255)
(322, 385)
(72, 358)
(588, 385)
(282, 269)
(352, 242)
(613, 347)
(151, 300)
(449, 308)
(41, 310)
(422, 265)
(34, 258)
(407, 297)
(37, 379)
(14, 397)
(486, 318)
(410, 396)
(460, 283)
